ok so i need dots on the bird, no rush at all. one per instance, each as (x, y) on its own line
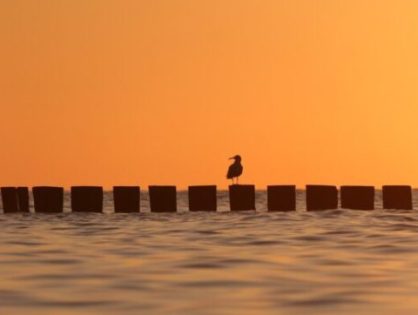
(235, 169)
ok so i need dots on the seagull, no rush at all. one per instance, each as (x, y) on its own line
(235, 169)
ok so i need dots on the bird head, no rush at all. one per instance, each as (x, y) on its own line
(237, 158)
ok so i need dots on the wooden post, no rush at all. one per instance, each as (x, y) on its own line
(87, 199)
(202, 198)
(126, 198)
(23, 199)
(9, 198)
(357, 197)
(48, 199)
(15, 199)
(281, 198)
(321, 197)
(397, 197)
(163, 198)
(242, 197)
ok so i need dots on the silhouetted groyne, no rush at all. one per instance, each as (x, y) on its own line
(242, 197)
(397, 197)
(15, 199)
(87, 199)
(357, 197)
(321, 197)
(48, 199)
(126, 198)
(281, 198)
(163, 198)
(204, 198)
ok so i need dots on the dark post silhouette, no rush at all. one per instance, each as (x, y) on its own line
(48, 199)
(202, 198)
(242, 197)
(163, 198)
(126, 198)
(23, 198)
(281, 198)
(87, 199)
(357, 197)
(9, 198)
(397, 197)
(321, 197)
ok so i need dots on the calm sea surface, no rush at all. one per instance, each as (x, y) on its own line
(210, 263)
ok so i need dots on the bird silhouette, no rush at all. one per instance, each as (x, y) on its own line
(235, 169)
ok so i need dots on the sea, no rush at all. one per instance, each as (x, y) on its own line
(252, 262)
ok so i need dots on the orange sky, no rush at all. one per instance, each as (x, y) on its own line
(164, 91)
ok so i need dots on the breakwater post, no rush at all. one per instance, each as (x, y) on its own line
(242, 197)
(321, 197)
(163, 198)
(15, 199)
(23, 199)
(397, 197)
(48, 199)
(281, 198)
(202, 198)
(357, 197)
(9, 198)
(87, 199)
(126, 198)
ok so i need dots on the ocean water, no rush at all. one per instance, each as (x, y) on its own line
(326, 262)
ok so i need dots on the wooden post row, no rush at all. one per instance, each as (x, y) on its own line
(204, 198)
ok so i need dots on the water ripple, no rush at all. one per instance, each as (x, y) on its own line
(210, 263)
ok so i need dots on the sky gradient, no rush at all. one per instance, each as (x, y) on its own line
(112, 92)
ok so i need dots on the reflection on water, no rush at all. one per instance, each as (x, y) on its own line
(210, 263)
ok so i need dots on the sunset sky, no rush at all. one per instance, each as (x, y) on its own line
(114, 92)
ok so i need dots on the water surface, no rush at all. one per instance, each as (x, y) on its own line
(210, 263)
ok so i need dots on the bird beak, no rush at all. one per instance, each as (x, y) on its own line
(231, 158)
